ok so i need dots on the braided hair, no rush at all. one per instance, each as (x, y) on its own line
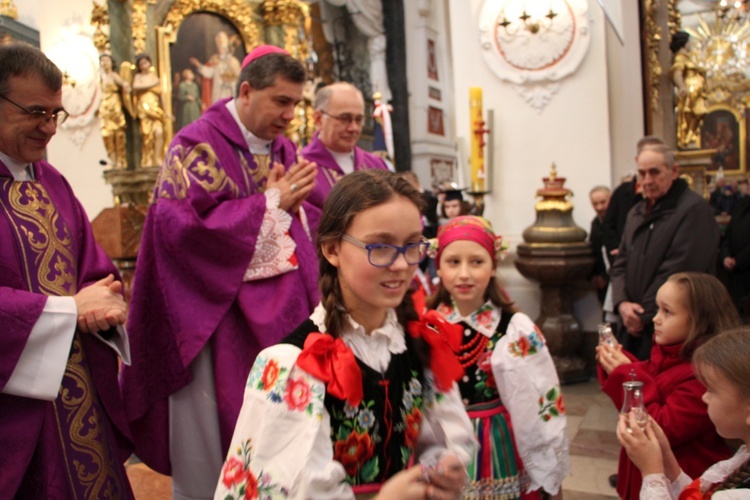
(739, 477)
(353, 194)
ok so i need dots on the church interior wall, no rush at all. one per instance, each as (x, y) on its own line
(624, 74)
(572, 130)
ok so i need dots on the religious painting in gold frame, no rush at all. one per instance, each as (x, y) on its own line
(723, 129)
(237, 13)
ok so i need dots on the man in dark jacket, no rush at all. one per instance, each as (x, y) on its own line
(735, 253)
(671, 230)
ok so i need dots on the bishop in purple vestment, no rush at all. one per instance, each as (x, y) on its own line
(339, 116)
(63, 432)
(226, 267)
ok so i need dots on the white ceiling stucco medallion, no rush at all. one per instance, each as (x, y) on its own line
(533, 44)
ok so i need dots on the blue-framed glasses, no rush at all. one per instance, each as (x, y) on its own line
(58, 116)
(384, 255)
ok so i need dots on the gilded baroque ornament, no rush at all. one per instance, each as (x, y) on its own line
(8, 9)
(534, 45)
(100, 19)
(139, 25)
(239, 12)
(653, 38)
(294, 17)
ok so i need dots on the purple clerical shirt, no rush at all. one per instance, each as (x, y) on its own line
(329, 172)
(199, 237)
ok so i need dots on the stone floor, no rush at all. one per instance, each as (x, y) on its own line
(594, 450)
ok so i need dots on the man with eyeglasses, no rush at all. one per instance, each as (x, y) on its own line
(339, 116)
(62, 426)
(672, 229)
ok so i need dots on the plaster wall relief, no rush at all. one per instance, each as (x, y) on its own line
(534, 46)
(74, 53)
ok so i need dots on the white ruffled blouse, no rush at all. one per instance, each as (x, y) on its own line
(282, 446)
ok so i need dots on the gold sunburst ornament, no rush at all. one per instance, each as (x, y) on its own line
(722, 49)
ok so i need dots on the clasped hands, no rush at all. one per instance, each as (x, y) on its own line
(294, 185)
(444, 481)
(101, 306)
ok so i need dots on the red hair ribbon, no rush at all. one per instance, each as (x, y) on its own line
(331, 361)
(444, 339)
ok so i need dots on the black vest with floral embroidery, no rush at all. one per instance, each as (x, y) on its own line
(376, 439)
(478, 384)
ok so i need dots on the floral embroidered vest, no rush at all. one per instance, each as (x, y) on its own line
(478, 384)
(376, 439)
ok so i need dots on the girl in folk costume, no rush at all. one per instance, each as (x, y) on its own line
(510, 389)
(722, 365)
(348, 401)
(692, 307)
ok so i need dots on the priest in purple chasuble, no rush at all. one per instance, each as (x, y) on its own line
(63, 431)
(227, 267)
(339, 116)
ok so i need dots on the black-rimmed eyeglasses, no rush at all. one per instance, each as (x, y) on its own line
(59, 116)
(346, 118)
(384, 255)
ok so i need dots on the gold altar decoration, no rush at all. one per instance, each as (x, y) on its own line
(100, 20)
(8, 9)
(240, 13)
(151, 27)
(720, 37)
(293, 16)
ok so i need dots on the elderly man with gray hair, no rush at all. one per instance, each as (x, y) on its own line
(339, 117)
(671, 230)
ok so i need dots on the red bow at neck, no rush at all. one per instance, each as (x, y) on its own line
(331, 361)
(444, 339)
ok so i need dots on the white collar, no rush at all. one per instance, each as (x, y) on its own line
(484, 320)
(17, 169)
(390, 329)
(257, 145)
(345, 160)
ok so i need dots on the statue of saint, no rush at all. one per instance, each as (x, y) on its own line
(189, 95)
(149, 111)
(220, 73)
(690, 91)
(111, 111)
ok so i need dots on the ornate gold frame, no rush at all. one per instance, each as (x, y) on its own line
(238, 12)
(742, 132)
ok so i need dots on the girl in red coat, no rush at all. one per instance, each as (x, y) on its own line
(691, 308)
(722, 365)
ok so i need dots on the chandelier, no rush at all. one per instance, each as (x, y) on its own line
(732, 9)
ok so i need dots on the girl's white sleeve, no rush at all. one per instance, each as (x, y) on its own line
(530, 390)
(446, 427)
(281, 447)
